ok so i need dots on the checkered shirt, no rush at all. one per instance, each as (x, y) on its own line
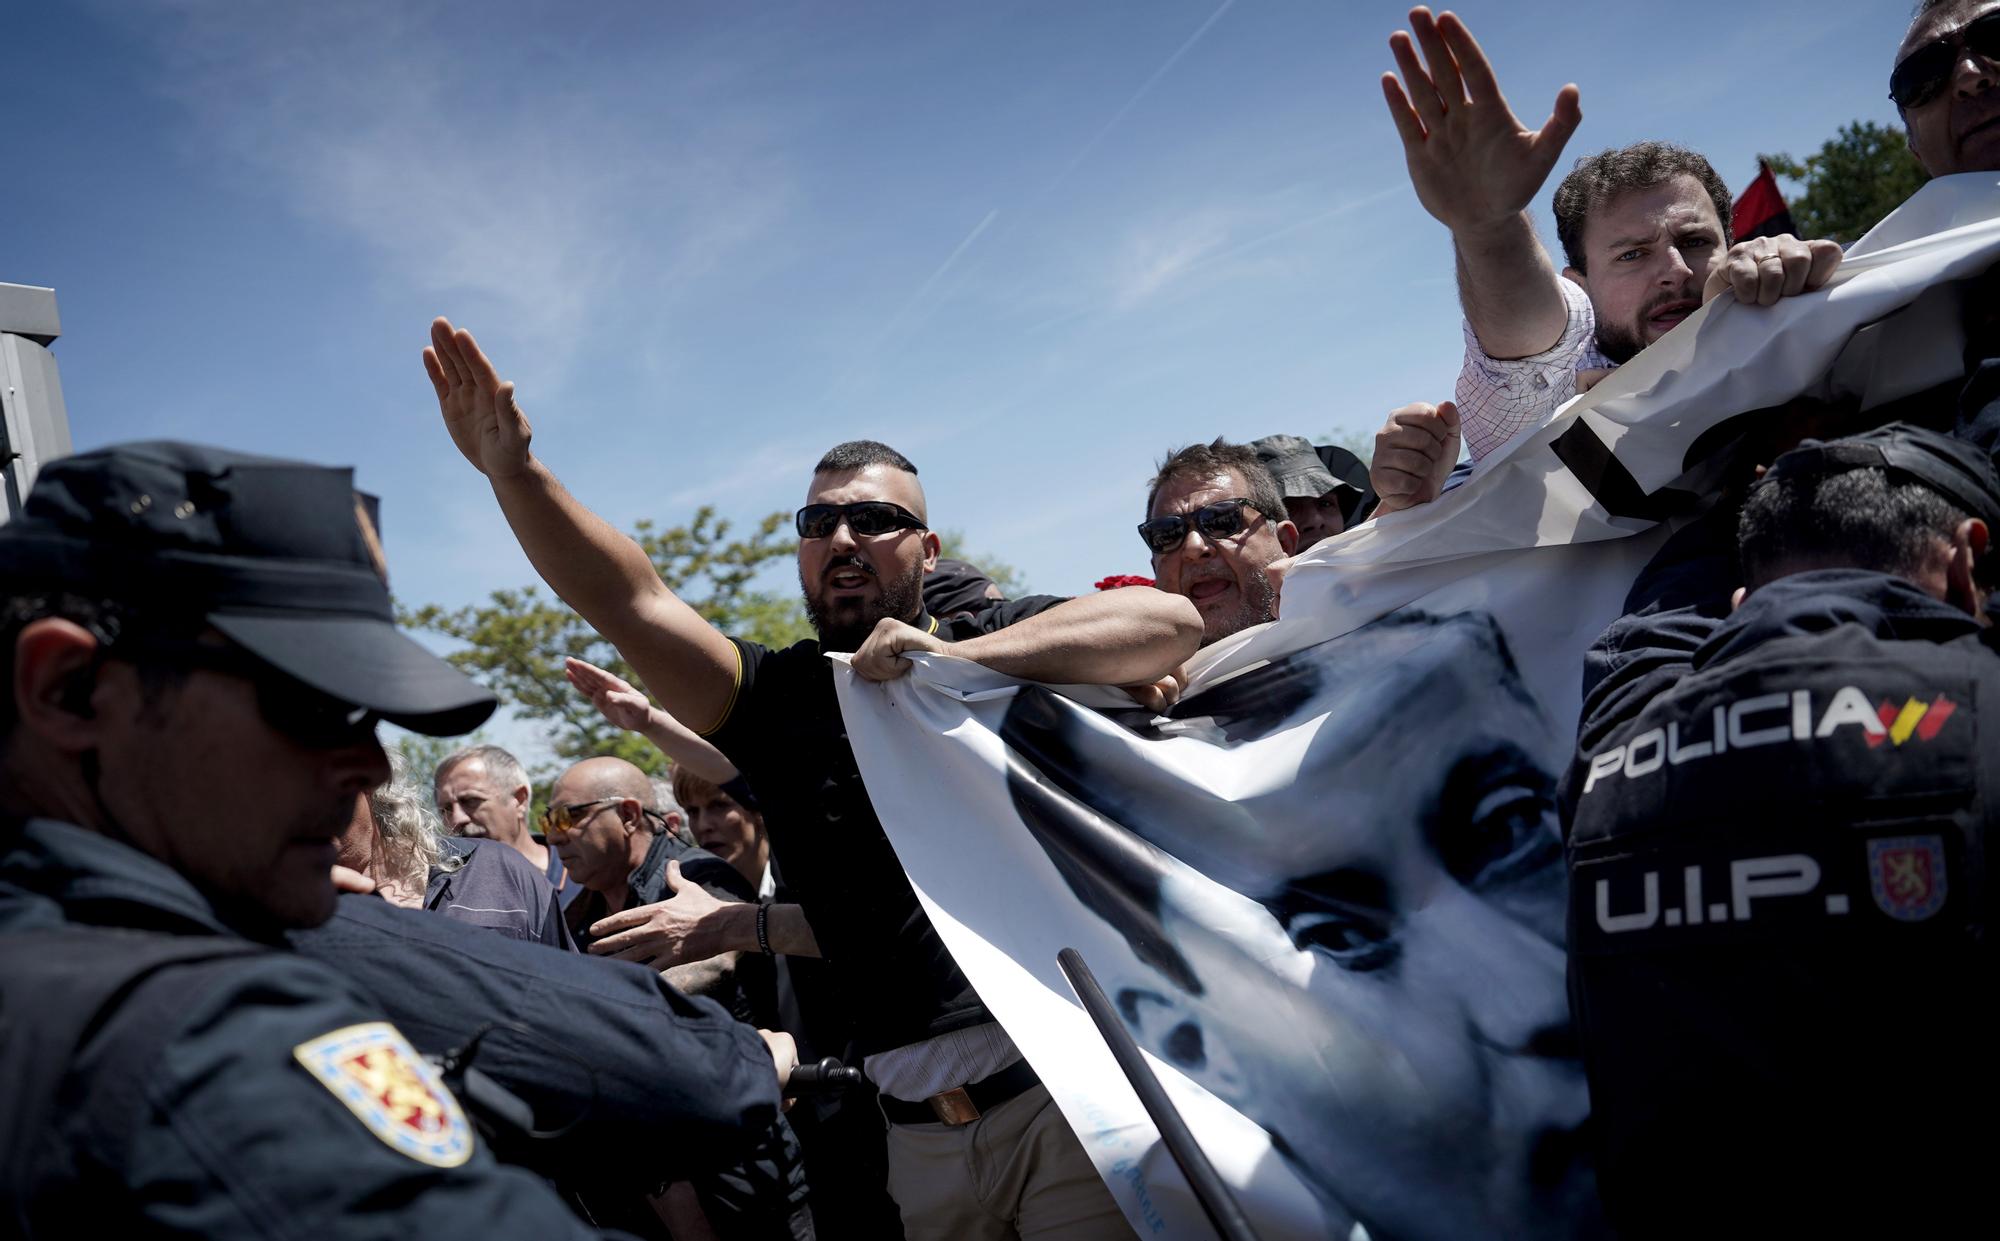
(1499, 399)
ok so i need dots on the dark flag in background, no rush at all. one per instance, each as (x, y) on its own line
(1761, 211)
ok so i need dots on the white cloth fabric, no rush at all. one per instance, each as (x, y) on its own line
(1498, 398)
(920, 1070)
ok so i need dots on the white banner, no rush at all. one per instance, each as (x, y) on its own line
(1326, 891)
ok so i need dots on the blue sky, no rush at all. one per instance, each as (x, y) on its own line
(1032, 245)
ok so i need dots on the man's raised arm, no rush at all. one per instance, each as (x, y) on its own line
(593, 567)
(1476, 168)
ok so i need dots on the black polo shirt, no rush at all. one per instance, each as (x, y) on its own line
(783, 730)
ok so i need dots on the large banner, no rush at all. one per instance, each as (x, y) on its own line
(1326, 890)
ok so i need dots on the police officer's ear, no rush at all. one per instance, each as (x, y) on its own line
(1968, 548)
(55, 683)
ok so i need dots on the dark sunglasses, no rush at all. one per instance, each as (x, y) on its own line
(1919, 77)
(864, 517)
(315, 720)
(1224, 519)
(559, 821)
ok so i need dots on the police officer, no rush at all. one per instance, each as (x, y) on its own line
(1778, 870)
(198, 646)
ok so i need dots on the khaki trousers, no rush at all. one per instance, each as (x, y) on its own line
(1015, 1174)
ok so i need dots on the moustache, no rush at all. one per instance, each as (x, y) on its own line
(848, 562)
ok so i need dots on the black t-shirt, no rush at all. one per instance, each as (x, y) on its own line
(785, 733)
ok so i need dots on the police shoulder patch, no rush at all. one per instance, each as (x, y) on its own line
(394, 1091)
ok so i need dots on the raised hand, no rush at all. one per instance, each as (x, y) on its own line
(1414, 453)
(479, 410)
(615, 698)
(1473, 163)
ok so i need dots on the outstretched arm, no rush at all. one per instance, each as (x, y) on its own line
(1135, 636)
(623, 706)
(595, 569)
(694, 925)
(1476, 168)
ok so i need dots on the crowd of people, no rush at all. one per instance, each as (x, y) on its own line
(253, 981)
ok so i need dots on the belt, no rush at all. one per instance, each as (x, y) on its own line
(964, 1104)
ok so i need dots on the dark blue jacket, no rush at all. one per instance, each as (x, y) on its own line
(485, 883)
(1778, 880)
(181, 1098)
(651, 1085)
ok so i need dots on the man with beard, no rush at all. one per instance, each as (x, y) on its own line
(954, 1087)
(1645, 230)
(1216, 527)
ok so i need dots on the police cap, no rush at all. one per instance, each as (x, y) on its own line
(284, 558)
(1951, 467)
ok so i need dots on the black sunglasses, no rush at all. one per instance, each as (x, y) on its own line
(864, 517)
(1223, 519)
(1919, 77)
(315, 720)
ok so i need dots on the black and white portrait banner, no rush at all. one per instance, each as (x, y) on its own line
(1325, 891)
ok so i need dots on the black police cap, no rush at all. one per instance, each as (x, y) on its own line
(1960, 472)
(283, 557)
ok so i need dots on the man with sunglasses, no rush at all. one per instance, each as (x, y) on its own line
(1216, 526)
(199, 645)
(1645, 230)
(1942, 85)
(949, 1075)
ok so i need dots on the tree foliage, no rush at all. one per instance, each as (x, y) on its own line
(516, 641)
(1862, 174)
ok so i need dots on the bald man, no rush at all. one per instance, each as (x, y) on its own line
(605, 823)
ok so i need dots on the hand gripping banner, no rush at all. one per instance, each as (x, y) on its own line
(1325, 891)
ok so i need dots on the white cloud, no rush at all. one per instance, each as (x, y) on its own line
(471, 160)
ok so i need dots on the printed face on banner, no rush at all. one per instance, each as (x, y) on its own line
(1399, 1022)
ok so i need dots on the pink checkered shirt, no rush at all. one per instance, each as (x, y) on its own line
(1499, 399)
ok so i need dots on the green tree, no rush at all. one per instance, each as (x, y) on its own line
(1861, 175)
(516, 641)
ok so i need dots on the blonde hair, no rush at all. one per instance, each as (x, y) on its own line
(409, 828)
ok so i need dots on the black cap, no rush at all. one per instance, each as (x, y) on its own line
(282, 557)
(1959, 471)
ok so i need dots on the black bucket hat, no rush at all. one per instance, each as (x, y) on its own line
(282, 557)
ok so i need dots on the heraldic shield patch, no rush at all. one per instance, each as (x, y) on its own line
(397, 1093)
(1906, 875)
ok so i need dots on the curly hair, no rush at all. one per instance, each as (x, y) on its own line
(1598, 178)
(409, 828)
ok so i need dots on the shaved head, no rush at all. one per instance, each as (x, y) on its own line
(606, 777)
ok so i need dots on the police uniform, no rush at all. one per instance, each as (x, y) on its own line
(165, 1071)
(1778, 872)
(220, 1088)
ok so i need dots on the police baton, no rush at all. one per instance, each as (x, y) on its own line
(1216, 1200)
(827, 1076)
